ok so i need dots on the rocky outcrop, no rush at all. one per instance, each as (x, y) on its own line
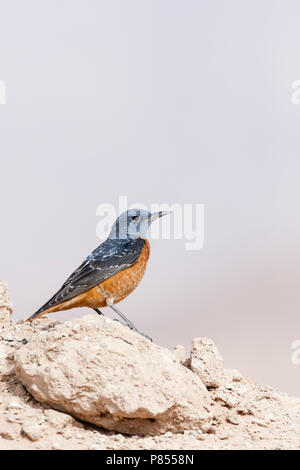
(5, 304)
(104, 374)
(101, 372)
(206, 362)
(6, 354)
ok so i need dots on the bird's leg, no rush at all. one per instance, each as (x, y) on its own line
(115, 319)
(98, 311)
(125, 319)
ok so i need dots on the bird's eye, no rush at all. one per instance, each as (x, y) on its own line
(134, 217)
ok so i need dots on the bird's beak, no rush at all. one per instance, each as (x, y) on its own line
(157, 215)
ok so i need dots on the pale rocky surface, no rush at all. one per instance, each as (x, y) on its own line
(206, 362)
(230, 412)
(101, 372)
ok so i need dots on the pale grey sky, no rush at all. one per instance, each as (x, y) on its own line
(162, 101)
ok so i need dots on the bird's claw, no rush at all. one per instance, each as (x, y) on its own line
(147, 337)
(133, 328)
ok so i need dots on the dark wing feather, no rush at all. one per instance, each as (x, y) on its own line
(107, 260)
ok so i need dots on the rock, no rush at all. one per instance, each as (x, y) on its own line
(207, 363)
(5, 304)
(102, 372)
(59, 420)
(14, 405)
(61, 423)
(230, 400)
(32, 431)
(9, 434)
(232, 375)
(180, 353)
(96, 447)
(56, 446)
(20, 390)
(7, 366)
(233, 419)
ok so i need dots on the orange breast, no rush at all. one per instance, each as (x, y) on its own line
(122, 284)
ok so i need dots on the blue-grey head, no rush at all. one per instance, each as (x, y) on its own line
(134, 223)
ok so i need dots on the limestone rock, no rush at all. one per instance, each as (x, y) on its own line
(9, 434)
(207, 362)
(5, 304)
(102, 372)
(180, 353)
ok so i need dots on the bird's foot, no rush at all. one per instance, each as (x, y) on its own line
(133, 328)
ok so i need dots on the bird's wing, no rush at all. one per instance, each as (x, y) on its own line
(107, 260)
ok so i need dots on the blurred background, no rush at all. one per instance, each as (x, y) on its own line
(161, 101)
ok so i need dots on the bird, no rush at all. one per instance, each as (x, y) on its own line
(110, 272)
